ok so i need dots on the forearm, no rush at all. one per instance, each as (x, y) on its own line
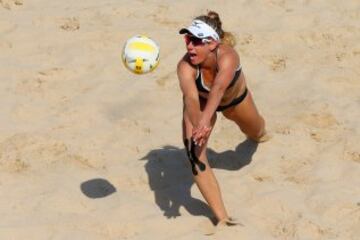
(214, 99)
(192, 109)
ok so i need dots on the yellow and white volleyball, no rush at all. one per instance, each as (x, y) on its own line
(141, 54)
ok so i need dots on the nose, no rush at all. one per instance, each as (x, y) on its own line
(190, 45)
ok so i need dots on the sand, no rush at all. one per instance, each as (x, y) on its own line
(89, 150)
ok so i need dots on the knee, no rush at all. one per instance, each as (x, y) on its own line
(260, 136)
(257, 134)
(255, 137)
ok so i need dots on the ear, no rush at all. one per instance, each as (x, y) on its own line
(213, 45)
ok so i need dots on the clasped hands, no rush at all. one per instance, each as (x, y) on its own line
(201, 132)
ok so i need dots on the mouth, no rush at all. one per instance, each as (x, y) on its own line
(192, 55)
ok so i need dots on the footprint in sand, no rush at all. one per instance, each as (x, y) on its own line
(50, 71)
(47, 83)
(316, 136)
(353, 156)
(340, 56)
(262, 178)
(320, 39)
(70, 24)
(21, 152)
(283, 130)
(281, 4)
(162, 80)
(356, 52)
(9, 4)
(319, 120)
(246, 39)
(39, 84)
(285, 230)
(277, 63)
(296, 170)
(160, 17)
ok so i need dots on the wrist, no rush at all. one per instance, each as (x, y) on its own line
(206, 116)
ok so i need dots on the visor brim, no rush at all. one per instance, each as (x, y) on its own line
(184, 30)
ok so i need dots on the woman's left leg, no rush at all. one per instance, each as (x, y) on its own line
(204, 176)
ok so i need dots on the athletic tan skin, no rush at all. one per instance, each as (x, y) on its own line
(217, 63)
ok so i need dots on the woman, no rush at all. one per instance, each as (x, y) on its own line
(212, 80)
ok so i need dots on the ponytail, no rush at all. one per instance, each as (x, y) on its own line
(213, 19)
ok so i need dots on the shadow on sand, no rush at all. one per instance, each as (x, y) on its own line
(97, 188)
(171, 179)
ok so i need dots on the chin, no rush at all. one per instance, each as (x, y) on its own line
(195, 61)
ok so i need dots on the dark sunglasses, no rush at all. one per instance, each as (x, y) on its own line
(195, 41)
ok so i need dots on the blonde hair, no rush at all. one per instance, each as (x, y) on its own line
(212, 19)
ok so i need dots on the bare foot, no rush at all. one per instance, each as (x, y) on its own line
(265, 137)
(222, 225)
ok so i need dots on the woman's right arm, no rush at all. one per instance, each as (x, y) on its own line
(190, 93)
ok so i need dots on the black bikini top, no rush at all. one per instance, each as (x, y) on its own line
(200, 85)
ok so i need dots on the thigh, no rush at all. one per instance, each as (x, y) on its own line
(247, 117)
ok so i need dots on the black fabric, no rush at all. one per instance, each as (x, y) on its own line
(201, 88)
(233, 102)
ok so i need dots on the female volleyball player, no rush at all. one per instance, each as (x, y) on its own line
(212, 80)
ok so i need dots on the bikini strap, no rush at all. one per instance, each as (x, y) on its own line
(197, 72)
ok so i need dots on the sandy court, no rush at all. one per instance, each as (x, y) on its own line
(89, 150)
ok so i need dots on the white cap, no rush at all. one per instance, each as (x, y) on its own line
(200, 29)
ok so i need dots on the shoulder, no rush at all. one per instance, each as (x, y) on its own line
(228, 57)
(186, 75)
(185, 68)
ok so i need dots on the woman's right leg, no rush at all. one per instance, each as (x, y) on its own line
(247, 117)
(204, 177)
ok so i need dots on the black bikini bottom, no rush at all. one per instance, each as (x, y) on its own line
(234, 102)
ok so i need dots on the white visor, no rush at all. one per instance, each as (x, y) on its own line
(200, 29)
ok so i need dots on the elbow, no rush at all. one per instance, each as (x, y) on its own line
(190, 96)
(190, 99)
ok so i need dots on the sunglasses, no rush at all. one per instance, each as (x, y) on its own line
(195, 41)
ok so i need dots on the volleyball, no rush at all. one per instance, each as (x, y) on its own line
(141, 54)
